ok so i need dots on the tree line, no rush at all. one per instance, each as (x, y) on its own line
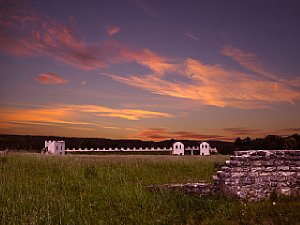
(36, 143)
(270, 142)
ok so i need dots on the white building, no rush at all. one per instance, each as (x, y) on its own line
(54, 147)
(178, 148)
(204, 148)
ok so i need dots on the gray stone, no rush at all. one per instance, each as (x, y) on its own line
(253, 175)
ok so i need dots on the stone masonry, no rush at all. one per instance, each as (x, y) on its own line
(251, 175)
(255, 175)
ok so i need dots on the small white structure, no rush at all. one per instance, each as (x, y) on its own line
(204, 148)
(55, 147)
(178, 148)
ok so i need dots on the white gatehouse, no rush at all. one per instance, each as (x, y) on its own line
(54, 147)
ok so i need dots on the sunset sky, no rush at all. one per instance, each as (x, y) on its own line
(150, 69)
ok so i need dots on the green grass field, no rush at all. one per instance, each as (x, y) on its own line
(38, 189)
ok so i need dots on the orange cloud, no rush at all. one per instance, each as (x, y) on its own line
(112, 30)
(129, 114)
(215, 85)
(42, 116)
(51, 78)
(71, 116)
(153, 61)
(163, 134)
(66, 119)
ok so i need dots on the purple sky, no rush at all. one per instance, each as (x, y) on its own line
(150, 69)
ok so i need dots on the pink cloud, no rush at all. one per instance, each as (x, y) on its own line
(112, 30)
(35, 35)
(247, 60)
(41, 36)
(51, 78)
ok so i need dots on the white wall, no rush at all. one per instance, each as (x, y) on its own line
(204, 148)
(178, 148)
(55, 147)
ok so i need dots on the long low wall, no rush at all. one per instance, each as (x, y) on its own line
(117, 149)
(188, 148)
(255, 175)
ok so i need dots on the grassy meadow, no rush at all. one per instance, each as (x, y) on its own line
(39, 189)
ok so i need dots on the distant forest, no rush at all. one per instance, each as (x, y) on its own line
(36, 143)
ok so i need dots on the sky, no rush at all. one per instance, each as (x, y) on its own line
(150, 69)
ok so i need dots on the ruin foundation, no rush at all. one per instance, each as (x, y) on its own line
(252, 175)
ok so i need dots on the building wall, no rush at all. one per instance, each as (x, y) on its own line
(178, 148)
(55, 147)
(204, 148)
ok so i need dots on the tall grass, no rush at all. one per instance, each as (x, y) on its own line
(37, 189)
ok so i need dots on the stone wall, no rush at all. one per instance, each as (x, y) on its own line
(255, 175)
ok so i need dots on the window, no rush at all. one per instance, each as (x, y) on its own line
(56, 147)
(60, 147)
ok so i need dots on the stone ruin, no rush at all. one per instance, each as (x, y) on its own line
(251, 175)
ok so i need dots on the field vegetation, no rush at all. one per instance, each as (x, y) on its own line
(39, 189)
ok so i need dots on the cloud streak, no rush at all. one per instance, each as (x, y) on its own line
(215, 85)
(50, 78)
(72, 115)
(241, 131)
(164, 134)
(129, 114)
(192, 36)
(247, 60)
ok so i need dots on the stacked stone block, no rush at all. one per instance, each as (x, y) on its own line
(255, 175)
